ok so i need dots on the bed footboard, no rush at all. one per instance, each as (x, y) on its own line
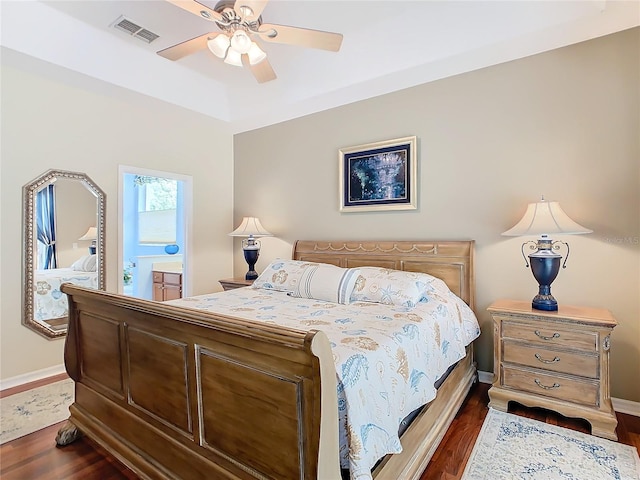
(179, 393)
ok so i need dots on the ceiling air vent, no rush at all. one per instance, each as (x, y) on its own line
(125, 25)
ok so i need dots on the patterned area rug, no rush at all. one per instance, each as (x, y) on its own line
(513, 447)
(27, 412)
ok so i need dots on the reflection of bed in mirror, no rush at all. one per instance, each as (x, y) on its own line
(204, 387)
(50, 304)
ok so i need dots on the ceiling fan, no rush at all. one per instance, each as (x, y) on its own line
(241, 24)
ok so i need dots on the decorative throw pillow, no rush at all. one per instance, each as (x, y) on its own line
(394, 287)
(85, 264)
(327, 282)
(282, 275)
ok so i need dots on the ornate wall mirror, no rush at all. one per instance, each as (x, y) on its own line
(63, 222)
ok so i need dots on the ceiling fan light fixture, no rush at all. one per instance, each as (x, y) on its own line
(241, 42)
(219, 45)
(233, 58)
(256, 54)
(239, 22)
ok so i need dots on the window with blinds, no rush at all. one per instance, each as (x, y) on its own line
(157, 202)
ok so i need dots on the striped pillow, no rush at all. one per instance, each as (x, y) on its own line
(327, 282)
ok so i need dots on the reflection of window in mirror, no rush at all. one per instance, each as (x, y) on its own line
(157, 204)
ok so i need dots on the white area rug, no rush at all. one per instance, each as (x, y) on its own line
(513, 447)
(27, 412)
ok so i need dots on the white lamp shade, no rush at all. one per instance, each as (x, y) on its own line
(543, 218)
(92, 234)
(241, 42)
(250, 227)
(233, 58)
(256, 54)
(219, 45)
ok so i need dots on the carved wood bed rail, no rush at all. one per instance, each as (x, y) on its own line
(174, 392)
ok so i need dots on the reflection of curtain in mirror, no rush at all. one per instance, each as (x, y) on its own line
(46, 225)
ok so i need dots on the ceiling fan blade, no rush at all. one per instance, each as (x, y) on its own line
(300, 36)
(198, 9)
(256, 6)
(262, 71)
(188, 47)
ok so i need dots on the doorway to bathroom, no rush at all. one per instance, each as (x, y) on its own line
(154, 237)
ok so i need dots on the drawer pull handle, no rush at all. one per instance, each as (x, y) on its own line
(555, 335)
(555, 385)
(555, 359)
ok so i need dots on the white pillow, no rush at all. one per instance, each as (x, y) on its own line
(282, 275)
(85, 264)
(327, 282)
(394, 287)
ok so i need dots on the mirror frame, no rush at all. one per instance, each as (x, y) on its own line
(29, 192)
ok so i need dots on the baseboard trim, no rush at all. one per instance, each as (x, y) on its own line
(485, 377)
(619, 405)
(31, 377)
(626, 406)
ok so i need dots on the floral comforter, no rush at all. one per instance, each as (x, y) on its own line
(387, 358)
(49, 301)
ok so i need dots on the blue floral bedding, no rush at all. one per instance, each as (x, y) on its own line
(49, 301)
(387, 357)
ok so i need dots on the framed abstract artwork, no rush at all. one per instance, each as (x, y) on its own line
(379, 176)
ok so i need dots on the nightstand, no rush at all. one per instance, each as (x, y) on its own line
(231, 283)
(554, 360)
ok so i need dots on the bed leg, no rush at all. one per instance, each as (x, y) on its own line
(67, 434)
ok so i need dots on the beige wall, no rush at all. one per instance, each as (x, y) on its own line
(563, 123)
(47, 124)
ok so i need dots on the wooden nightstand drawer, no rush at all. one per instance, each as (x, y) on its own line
(556, 360)
(548, 333)
(550, 385)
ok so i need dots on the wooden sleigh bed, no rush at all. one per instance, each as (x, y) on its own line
(175, 392)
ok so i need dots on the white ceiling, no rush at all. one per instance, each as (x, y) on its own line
(388, 45)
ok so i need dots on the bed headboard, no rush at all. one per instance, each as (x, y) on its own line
(451, 261)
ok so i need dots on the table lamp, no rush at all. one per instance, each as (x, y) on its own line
(92, 234)
(544, 218)
(250, 228)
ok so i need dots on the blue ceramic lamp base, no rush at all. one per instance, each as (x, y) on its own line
(544, 300)
(251, 256)
(545, 265)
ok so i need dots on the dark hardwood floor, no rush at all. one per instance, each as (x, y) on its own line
(451, 457)
(35, 456)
